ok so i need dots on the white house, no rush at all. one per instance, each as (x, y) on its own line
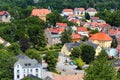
(26, 66)
(67, 12)
(79, 11)
(82, 31)
(4, 16)
(91, 11)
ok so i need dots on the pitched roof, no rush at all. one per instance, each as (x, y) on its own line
(61, 24)
(26, 62)
(67, 10)
(37, 12)
(112, 32)
(56, 30)
(81, 29)
(68, 77)
(3, 12)
(91, 10)
(100, 36)
(79, 9)
(95, 18)
(74, 44)
(76, 36)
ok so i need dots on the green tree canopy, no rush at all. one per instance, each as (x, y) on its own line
(34, 54)
(100, 69)
(88, 53)
(66, 36)
(51, 58)
(76, 52)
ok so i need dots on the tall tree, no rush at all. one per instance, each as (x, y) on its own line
(34, 54)
(51, 58)
(76, 52)
(87, 16)
(88, 53)
(66, 36)
(100, 69)
(7, 60)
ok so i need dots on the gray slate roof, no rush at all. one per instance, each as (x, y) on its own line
(72, 45)
(26, 62)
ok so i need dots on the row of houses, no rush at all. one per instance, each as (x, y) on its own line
(79, 11)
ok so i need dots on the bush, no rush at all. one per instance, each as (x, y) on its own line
(79, 62)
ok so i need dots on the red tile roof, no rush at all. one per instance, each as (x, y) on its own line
(67, 10)
(3, 12)
(37, 12)
(79, 9)
(76, 36)
(81, 29)
(100, 36)
(68, 77)
(56, 30)
(95, 18)
(74, 20)
(112, 32)
(95, 24)
(61, 24)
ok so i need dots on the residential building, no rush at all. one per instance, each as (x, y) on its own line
(67, 12)
(26, 66)
(83, 31)
(76, 37)
(4, 16)
(101, 38)
(91, 11)
(67, 47)
(61, 25)
(53, 35)
(41, 13)
(79, 11)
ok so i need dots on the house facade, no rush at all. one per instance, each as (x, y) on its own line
(91, 11)
(101, 38)
(82, 31)
(53, 35)
(66, 49)
(67, 12)
(41, 13)
(79, 11)
(4, 16)
(26, 66)
(76, 37)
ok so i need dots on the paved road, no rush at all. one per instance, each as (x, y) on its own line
(66, 68)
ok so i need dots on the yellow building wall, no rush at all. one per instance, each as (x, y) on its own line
(106, 44)
(98, 49)
(65, 51)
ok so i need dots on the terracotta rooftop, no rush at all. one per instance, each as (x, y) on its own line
(37, 12)
(79, 9)
(81, 29)
(76, 36)
(112, 32)
(3, 12)
(100, 36)
(95, 18)
(61, 24)
(67, 10)
(56, 30)
(68, 77)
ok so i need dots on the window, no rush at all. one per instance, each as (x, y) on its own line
(24, 70)
(18, 71)
(18, 76)
(27, 70)
(17, 66)
(36, 70)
